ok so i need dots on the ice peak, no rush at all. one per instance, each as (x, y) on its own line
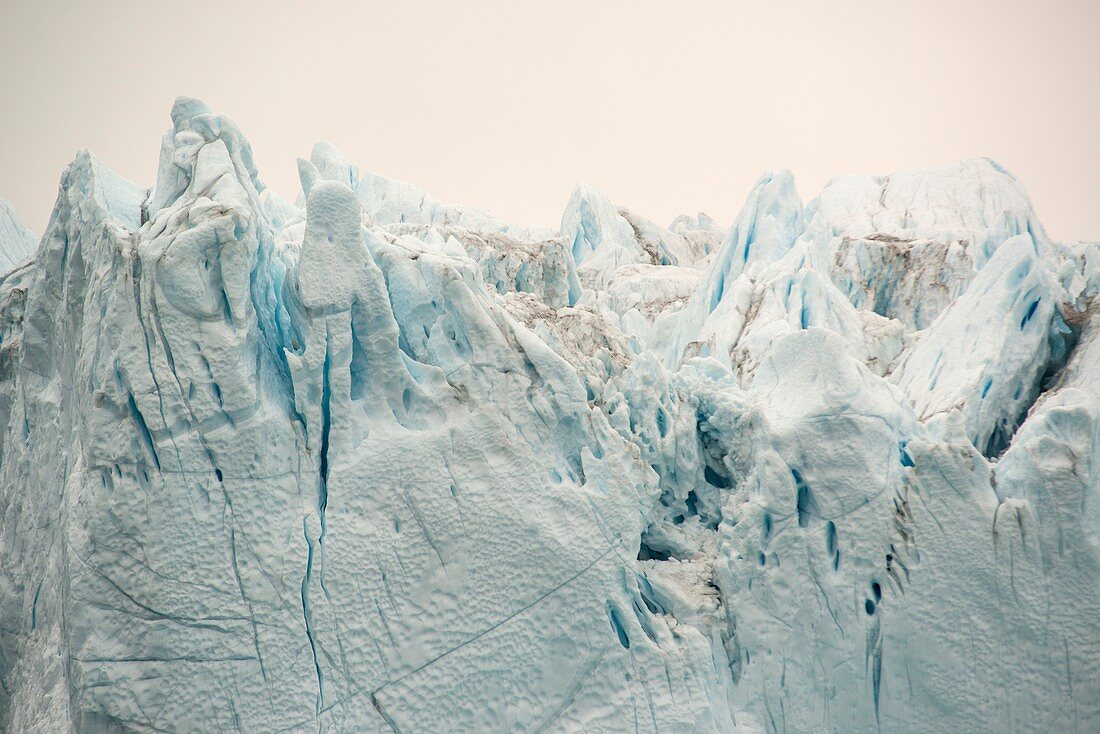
(701, 221)
(326, 162)
(766, 227)
(185, 109)
(765, 230)
(590, 220)
(975, 201)
(195, 126)
(90, 179)
(604, 238)
(16, 241)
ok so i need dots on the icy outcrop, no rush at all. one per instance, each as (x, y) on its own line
(907, 245)
(255, 430)
(986, 355)
(387, 201)
(16, 241)
(606, 238)
(764, 232)
(369, 461)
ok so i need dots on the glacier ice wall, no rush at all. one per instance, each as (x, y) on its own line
(369, 461)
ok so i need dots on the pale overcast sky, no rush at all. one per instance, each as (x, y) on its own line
(665, 107)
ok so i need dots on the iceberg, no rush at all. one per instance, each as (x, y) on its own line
(362, 460)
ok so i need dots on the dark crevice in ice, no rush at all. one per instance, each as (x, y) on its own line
(143, 430)
(307, 616)
(617, 626)
(322, 506)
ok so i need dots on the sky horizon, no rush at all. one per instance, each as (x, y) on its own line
(506, 107)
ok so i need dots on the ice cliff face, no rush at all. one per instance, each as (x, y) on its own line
(375, 462)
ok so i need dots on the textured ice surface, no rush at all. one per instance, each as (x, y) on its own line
(16, 241)
(374, 462)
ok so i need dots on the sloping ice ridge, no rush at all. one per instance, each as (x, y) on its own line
(373, 462)
(16, 241)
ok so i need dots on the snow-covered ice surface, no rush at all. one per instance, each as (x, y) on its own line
(373, 462)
